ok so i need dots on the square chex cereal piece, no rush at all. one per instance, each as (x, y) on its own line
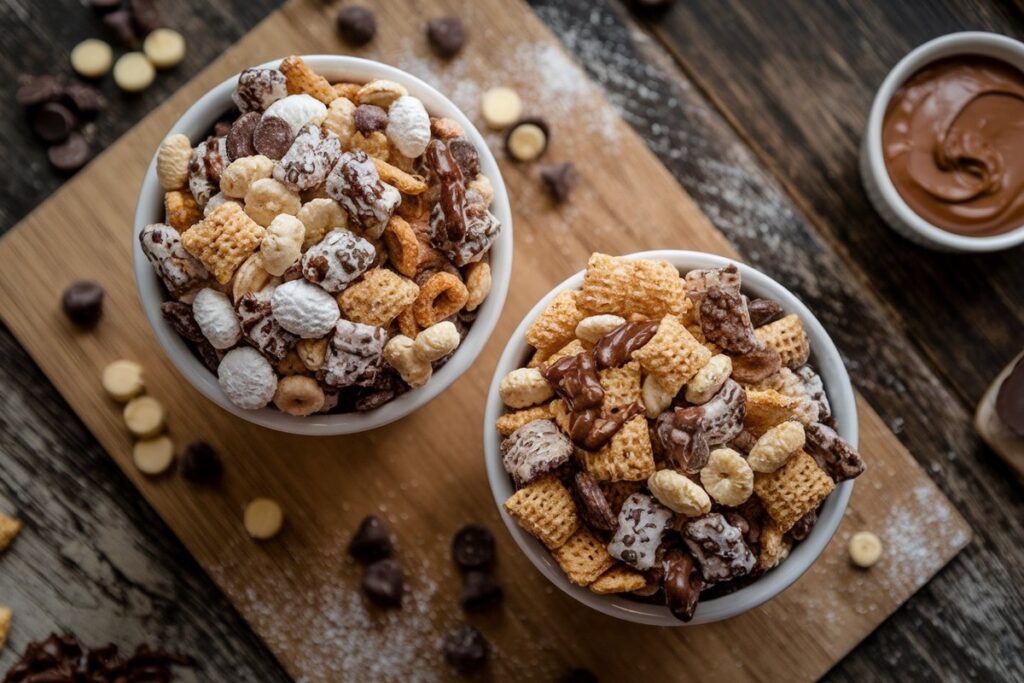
(627, 457)
(378, 298)
(573, 348)
(621, 385)
(645, 287)
(545, 509)
(765, 409)
(556, 326)
(223, 240)
(510, 422)
(583, 557)
(787, 336)
(672, 354)
(616, 492)
(793, 490)
(618, 579)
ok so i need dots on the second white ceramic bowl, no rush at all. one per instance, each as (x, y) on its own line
(195, 124)
(825, 358)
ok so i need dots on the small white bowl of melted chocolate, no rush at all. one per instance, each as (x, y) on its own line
(942, 159)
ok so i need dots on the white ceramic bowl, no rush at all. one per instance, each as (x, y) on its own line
(195, 123)
(825, 358)
(877, 183)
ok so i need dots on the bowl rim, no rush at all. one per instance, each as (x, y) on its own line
(195, 122)
(981, 43)
(829, 364)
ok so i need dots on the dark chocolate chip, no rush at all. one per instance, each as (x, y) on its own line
(122, 27)
(53, 122)
(36, 90)
(578, 675)
(466, 156)
(70, 155)
(473, 547)
(240, 137)
(446, 35)
(145, 14)
(371, 542)
(465, 649)
(1010, 399)
(764, 311)
(383, 583)
(272, 137)
(82, 302)
(369, 118)
(480, 592)
(104, 5)
(200, 463)
(84, 99)
(559, 180)
(356, 24)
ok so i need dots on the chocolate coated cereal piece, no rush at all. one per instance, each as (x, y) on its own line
(465, 649)
(70, 155)
(356, 25)
(641, 523)
(682, 584)
(724, 320)
(371, 541)
(722, 416)
(764, 311)
(180, 272)
(240, 137)
(272, 137)
(261, 329)
(473, 547)
(383, 583)
(835, 455)
(337, 260)
(257, 89)
(355, 355)
(718, 548)
(82, 302)
(311, 156)
(480, 592)
(559, 180)
(592, 505)
(446, 35)
(200, 463)
(534, 450)
(680, 435)
(466, 156)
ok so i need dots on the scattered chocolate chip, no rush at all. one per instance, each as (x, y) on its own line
(1010, 399)
(122, 27)
(240, 137)
(480, 592)
(62, 658)
(85, 99)
(465, 155)
(82, 302)
(369, 118)
(145, 14)
(446, 35)
(356, 24)
(465, 649)
(578, 675)
(559, 180)
(200, 463)
(36, 90)
(527, 139)
(371, 542)
(383, 583)
(473, 547)
(53, 122)
(764, 311)
(70, 155)
(272, 137)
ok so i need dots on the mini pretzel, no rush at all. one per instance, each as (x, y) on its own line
(392, 175)
(442, 296)
(402, 245)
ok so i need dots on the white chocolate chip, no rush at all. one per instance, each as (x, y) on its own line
(92, 58)
(164, 47)
(144, 417)
(153, 456)
(263, 518)
(592, 328)
(527, 142)
(122, 380)
(133, 72)
(865, 549)
(500, 107)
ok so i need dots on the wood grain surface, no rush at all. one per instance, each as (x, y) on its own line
(299, 592)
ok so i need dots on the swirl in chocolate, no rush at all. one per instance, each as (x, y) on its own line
(615, 348)
(952, 139)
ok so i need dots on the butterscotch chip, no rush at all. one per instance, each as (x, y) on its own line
(618, 579)
(672, 354)
(793, 490)
(5, 625)
(9, 528)
(153, 456)
(440, 297)
(556, 326)
(405, 182)
(223, 240)
(545, 509)
(300, 79)
(774, 546)
(133, 72)
(181, 210)
(402, 246)
(787, 336)
(583, 557)
(263, 518)
(765, 409)
(510, 422)
(378, 298)
(621, 385)
(628, 456)
(647, 287)
(616, 492)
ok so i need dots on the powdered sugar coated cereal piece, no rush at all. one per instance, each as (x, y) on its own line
(356, 185)
(337, 260)
(216, 317)
(257, 89)
(247, 378)
(297, 111)
(718, 548)
(311, 157)
(304, 309)
(355, 355)
(282, 244)
(408, 126)
(180, 272)
(642, 521)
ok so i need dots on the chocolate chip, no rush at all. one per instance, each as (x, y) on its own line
(62, 659)
(447, 35)
(272, 137)
(82, 302)
(578, 675)
(383, 583)
(38, 90)
(356, 24)
(200, 463)
(764, 311)
(369, 118)
(559, 180)
(371, 541)
(84, 99)
(466, 157)
(473, 547)
(240, 137)
(1010, 399)
(53, 122)
(122, 27)
(145, 14)
(480, 592)
(465, 649)
(70, 155)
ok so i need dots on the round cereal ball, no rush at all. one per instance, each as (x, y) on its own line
(247, 378)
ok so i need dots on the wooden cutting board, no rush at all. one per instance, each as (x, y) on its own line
(425, 474)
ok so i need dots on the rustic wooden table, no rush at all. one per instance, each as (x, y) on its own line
(757, 109)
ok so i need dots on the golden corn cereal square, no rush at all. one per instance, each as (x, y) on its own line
(621, 385)
(793, 490)
(378, 298)
(788, 337)
(583, 557)
(646, 287)
(672, 354)
(546, 510)
(573, 348)
(510, 422)
(616, 492)
(618, 579)
(628, 456)
(556, 326)
(223, 240)
(765, 409)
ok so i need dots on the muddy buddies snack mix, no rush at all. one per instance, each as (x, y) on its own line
(326, 248)
(667, 440)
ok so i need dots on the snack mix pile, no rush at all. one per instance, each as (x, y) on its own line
(328, 249)
(668, 439)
